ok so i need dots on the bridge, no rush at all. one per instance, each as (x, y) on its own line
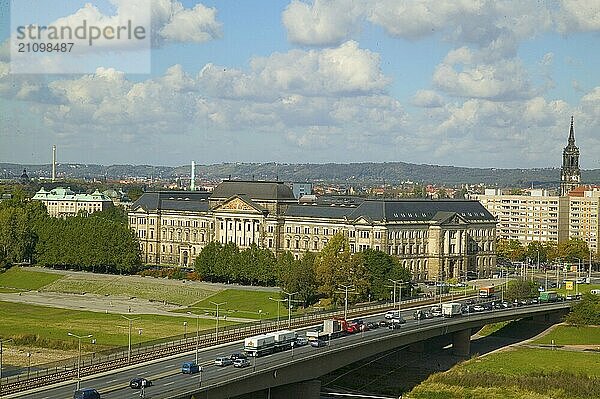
(293, 374)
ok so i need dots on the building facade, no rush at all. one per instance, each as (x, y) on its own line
(433, 239)
(63, 202)
(527, 218)
(583, 222)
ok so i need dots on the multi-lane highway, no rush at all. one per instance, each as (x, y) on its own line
(168, 380)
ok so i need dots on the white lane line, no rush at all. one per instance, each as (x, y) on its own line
(169, 383)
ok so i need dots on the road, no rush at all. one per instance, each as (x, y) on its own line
(167, 378)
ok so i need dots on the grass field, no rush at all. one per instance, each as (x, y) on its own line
(493, 328)
(172, 291)
(527, 361)
(242, 303)
(17, 279)
(523, 373)
(48, 327)
(572, 335)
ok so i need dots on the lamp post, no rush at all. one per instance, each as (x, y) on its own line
(130, 320)
(2, 341)
(217, 317)
(29, 364)
(346, 288)
(185, 330)
(278, 302)
(290, 295)
(197, 334)
(79, 338)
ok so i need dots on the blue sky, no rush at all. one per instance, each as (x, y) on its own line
(469, 83)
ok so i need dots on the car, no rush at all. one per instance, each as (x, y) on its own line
(238, 355)
(383, 323)
(139, 383)
(436, 311)
(301, 341)
(470, 302)
(394, 326)
(190, 368)
(86, 393)
(397, 320)
(241, 363)
(478, 308)
(223, 361)
(371, 325)
(317, 343)
(391, 314)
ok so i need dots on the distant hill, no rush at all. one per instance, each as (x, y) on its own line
(355, 173)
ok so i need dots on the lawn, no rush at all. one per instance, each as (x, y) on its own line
(528, 361)
(50, 325)
(572, 335)
(242, 303)
(159, 289)
(517, 374)
(17, 279)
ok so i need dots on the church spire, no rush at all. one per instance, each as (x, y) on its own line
(571, 134)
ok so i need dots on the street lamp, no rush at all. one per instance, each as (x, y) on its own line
(130, 320)
(29, 364)
(79, 338)
(2, 341)
(346, 288)
(185, 330)
(197, 334)
(290, 295)
(278, 302)
(217, 317)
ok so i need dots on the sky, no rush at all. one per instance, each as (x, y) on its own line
(472, 83)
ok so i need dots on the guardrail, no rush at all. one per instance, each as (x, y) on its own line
(99, 362)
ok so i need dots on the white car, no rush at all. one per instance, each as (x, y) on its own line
(392, 314)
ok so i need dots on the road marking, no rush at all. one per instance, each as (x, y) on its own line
(169, 383)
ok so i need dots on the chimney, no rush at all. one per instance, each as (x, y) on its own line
(193, 177)
(53, 163)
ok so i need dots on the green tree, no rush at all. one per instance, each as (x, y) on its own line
(573, 250)
(333, 264)
(206, 261)
(586, 312)
(520, 289)
(510, 249)
(301, 277)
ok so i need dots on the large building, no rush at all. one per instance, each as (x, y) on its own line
(63, 202)
(434, 239)
(549, 218)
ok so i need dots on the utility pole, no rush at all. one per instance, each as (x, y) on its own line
(79, 338)
(217, 317)
(278, 302)
(346, 288)
(130, 320)
(2, 341)
(290, 295)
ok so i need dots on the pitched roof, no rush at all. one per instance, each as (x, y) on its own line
(397, 211)
(173, 200)
(256, 190)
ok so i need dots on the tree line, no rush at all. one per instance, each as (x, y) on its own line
(568, 251)
(99, 242)
(314, 276)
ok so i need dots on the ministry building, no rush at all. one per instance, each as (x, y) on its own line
(434, 239)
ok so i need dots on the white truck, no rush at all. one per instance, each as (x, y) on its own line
(283, 339)
(332, 328)
(259, 345)
(451, 309)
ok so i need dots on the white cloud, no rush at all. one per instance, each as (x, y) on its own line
(578, 16)
(504, 80)
(194, 25)
(427, 99)
(323, 22)
(344, 70)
